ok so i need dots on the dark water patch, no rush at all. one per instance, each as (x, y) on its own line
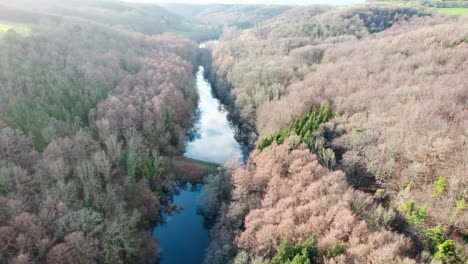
(183, 238)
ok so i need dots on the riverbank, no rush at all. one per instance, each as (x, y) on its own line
(185, 229)
(246, 132)
(193, 170)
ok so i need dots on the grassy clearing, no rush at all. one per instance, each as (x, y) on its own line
(183, 34)
(458, 11)
(193, 171)
(206, 165)
(453, 11)
(22, 29)
(394, 3)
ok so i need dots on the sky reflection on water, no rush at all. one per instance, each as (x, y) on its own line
(183, 238)
(216, 142)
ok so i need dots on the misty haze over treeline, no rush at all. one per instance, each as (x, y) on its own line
(252, 2)
(352, 120)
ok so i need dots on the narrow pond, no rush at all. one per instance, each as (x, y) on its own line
(183, 239)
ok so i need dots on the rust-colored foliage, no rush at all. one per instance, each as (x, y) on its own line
(85, 196)
(296, 197)
(397, 80)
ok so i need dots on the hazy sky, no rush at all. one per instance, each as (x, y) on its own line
(268, 2)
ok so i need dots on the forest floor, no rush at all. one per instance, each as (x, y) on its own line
(192, 170)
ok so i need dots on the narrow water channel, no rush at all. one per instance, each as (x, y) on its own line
(183, 239)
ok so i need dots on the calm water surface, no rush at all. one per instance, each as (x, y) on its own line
(216, 142)
(183, 238)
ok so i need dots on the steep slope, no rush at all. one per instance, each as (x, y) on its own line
(90, 118)
(240, 16)
(395, 80)
(149, 19)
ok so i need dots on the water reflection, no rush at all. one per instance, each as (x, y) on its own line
(183, 238)
(216, 142)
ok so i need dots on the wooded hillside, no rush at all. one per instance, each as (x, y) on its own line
(90, 117)
(396, 81)
(149, 19)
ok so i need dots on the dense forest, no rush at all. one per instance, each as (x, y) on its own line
(90, 116)
(148, 19)
(356, 120)
(381, 176)
(239, 16)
